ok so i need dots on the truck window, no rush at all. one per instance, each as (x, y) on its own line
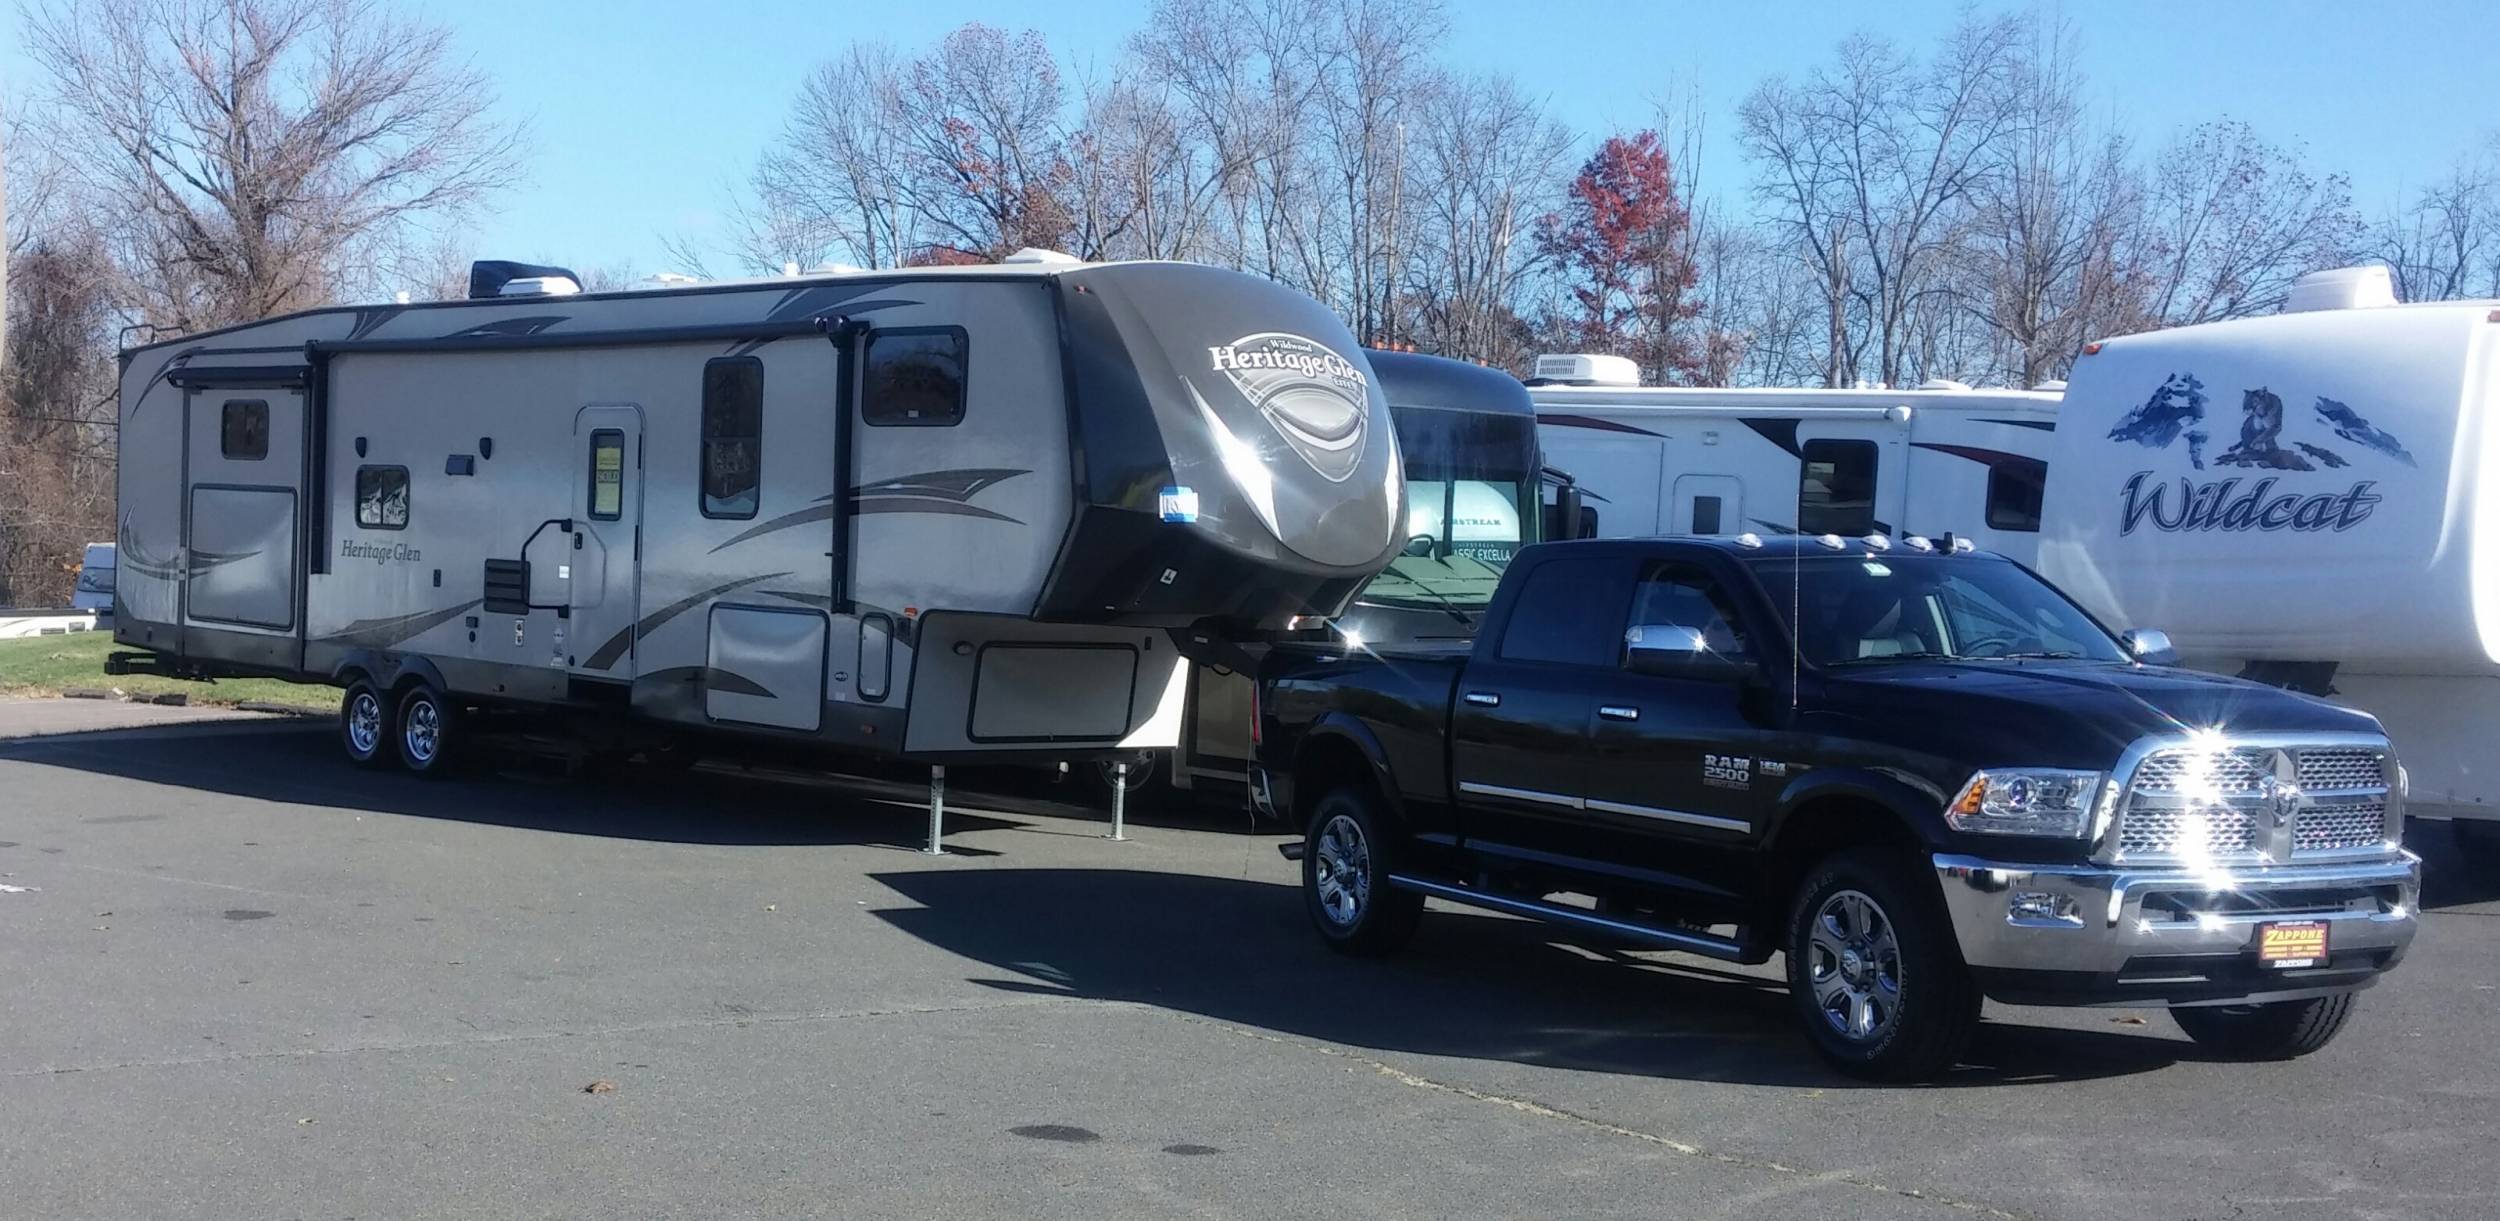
(1564, 616)
(915, 377)
(243, 430)
(2014, 491)
(1836, 488)
(1683, 595)
(733, 435)
(382, 497)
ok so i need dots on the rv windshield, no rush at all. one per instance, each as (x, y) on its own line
(1471, 504)
(1865, 609)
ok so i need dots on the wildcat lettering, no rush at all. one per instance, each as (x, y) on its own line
(2223, 504)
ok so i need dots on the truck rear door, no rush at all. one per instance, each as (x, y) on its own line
(1519, 732)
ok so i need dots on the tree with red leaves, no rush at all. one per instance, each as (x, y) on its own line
(1620, 241)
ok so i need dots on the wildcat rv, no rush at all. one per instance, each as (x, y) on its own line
(2297, 499)
(944, 514)
(1943, 458)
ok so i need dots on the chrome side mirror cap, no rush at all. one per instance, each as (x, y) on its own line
(1674, 651)
(2150, 647)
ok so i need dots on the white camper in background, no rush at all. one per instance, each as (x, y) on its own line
(2299, 499)
(1940, 459)
(942, 513)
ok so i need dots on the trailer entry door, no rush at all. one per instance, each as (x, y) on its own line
(605, 569)
(243, 466)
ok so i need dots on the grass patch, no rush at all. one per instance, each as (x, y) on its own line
(49, 665)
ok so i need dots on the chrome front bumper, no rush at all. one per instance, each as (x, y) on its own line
(2095, 920)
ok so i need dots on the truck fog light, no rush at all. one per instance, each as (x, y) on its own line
(2042, 907)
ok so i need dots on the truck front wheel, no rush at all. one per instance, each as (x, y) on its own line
(1874, 971)
(1346, 858)
(2279, 1030)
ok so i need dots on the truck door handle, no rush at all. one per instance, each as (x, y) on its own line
(1485, 699)
(1618, 712)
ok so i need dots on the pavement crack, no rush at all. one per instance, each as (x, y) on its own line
(528, 1036)
(1527, 1106)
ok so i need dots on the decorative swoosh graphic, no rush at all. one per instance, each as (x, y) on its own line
(943, 492)
(711, 678)
(2042, 425)
(202, 561)
(1566, 420)
(529, 325)
(384, 632)
(624, 638)
(135, 556)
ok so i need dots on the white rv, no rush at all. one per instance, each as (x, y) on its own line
(1940, 459)
(958, 513)
(2298, 499)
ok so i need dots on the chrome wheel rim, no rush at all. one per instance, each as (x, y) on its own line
(1853, 964)
(1342, 869)
(364, 722)
(424, 731)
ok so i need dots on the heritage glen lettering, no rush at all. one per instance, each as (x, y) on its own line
(2222, 504)
(379, 553)
(1309, 361)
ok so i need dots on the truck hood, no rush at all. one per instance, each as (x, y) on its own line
(2074, 713)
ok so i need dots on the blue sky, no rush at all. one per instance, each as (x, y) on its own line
(641, 112)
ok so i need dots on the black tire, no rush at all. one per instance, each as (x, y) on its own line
(1883, 996)
(2280, 1030)
(429, 732)
(2478, 840)
(678, 756)
(1347, 855)
(368, 724)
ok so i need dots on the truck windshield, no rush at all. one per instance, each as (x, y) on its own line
(1870, 609)
(1471, 504)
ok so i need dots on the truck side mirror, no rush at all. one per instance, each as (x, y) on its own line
(1666, 650)
(2150, 647)
(1562, 518)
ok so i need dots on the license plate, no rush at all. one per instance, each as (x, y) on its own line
(2292, 944)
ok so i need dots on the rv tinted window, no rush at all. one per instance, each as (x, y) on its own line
(243, 431)
(1565, 615)
(733, 435)
(2014, 489)
(915, 377)
(1836, 488)
(1706, 514)
(607, 474)
(382, 497)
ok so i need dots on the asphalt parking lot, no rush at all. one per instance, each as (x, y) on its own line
(240, 979)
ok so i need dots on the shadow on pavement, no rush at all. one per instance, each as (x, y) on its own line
(291, 763)
(1239, 953)
(2450, 878)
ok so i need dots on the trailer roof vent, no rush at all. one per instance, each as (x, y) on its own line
(1035, 254)
(1943, 383)
(2341, 288)
(1585, 369)
(498, 278)
(2055, 385)
(662, 281)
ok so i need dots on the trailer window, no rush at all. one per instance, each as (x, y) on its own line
(607, 474)
(382, 497)
(1836, 488)
(2014, 492)
(243, 430)
(733, 435)
(915, 377)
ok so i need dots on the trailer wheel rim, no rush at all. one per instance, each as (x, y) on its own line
(364, 722)
(1853, 964)
(424, 732)
(1342, 870)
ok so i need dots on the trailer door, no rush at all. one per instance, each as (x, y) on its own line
(606, 562)
(242, 471)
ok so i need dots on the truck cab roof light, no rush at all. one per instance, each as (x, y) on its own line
(1963, 546)
(1877, 542)
(1917, 542)
(1749, 540)
(1831, 542)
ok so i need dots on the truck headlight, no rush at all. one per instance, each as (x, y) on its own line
(2047, 801)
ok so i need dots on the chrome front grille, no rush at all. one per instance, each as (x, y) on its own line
(2239, 802)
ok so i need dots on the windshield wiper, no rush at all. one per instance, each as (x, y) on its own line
(1921, 655)
(2041, 655)
(1440, 602)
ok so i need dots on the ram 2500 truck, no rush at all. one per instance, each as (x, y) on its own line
(1922, 774)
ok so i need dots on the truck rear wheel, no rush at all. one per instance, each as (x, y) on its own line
(2280, 1030)
(367, 726)
(1346, 857)
(1874, 971)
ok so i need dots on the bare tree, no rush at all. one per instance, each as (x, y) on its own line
(56, 453)
(833, 186)
(2445, 243)
(983, 140)
(1484, 163)
(257, 152)
(2232, 221)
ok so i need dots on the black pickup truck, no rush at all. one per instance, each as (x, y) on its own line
(1922, 774)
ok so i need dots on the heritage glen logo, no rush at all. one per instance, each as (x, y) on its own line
(1286, 354)
(2222, 504)
(379, 553)
(1315, 399)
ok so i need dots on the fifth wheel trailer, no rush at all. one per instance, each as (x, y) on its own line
(943, 514)
(1943, 458)
(2299, 499)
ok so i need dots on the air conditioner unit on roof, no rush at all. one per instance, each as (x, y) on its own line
(1587, 369)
